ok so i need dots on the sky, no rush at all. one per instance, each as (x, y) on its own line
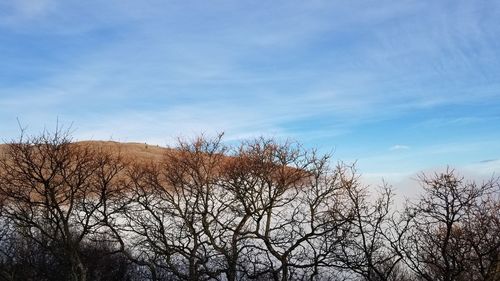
(397, 86)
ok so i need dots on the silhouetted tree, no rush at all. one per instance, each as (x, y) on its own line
(370, 248)
(264, 210)
(453, 230)
(164, 217)
(260, 210)
(295, 203)
(55, 193)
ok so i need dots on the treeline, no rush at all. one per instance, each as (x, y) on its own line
(259, 210)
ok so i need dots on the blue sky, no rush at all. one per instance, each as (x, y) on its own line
(399, 86)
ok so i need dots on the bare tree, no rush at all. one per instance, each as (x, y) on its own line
(167, 209)
(481, 234)
(294, 201)
(55, 191)
(370, 249)
(262, 211)
(7, 251)
(444, 242)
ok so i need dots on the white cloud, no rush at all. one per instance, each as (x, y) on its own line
(399, 147)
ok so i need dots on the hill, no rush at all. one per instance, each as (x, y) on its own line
(131, 150)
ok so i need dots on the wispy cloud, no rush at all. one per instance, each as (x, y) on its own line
(456, 121)
(489, 160)
(358, 75)
(399, 147)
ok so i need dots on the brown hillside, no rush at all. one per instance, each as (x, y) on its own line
(133, 151)
(139, 152)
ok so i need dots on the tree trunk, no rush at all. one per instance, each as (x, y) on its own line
(284, 272)
(78, 270)
(231, 271)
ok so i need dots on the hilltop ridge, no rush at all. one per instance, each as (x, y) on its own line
(130, 150)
